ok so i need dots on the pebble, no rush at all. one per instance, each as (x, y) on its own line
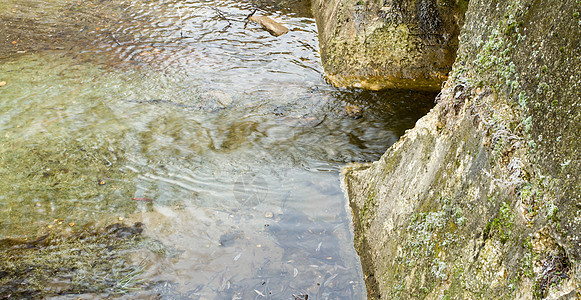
(353, 111)
(268, 214)
(2, 83)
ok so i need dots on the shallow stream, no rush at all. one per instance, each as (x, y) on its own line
(224, 141)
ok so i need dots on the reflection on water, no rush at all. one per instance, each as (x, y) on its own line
(223, 140)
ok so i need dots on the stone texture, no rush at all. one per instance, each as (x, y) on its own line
(378, 44)
(482, 199)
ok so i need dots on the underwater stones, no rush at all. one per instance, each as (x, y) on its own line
(353, 111)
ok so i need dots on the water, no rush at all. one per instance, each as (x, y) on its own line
(224, 141)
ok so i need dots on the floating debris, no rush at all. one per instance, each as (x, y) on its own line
(269, 24)
(238, 256)
(142, 199)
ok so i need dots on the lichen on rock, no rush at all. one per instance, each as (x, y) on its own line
(388, 44)
(481, 198)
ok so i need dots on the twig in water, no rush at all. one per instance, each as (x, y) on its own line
(251, 14)
(181, 21)
(115, 39)
(221, 15)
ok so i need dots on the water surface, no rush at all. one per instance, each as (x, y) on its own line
(224, 141)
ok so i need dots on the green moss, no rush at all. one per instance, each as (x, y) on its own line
(528, 124)
(515, 89)
(523, 100)
(459, 218)
(429, 234)
(510, 28)
(462, 5)
(369, 204)
(501, 226)
(552, 212)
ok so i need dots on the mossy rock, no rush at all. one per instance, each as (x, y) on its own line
(407, 44)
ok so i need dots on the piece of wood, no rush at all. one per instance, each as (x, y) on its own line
(269, 25)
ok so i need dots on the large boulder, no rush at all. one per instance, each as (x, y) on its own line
(482, 199)
(378, 44)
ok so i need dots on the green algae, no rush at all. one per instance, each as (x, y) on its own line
(88, 261)
(501, 226)
(73, 181)
(53, 164)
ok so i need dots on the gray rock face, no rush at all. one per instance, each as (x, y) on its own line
(378, 44)
(482, 199)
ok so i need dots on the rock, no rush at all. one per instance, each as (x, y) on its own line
(216, 99)
(2, 83)
(388, 44)
(480, 199)
(228, 239)
(353, 111)
(269, 25)
(300, 121)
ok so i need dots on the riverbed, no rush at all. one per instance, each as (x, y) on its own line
(224, 141)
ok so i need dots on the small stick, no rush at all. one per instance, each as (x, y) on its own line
(251, 14)
(142, 199)
(221, 15)
(115, 39)
(181, 21)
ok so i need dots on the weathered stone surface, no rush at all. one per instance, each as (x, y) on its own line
(482, 199)
(269, 25)
(378, 44)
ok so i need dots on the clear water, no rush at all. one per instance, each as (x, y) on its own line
(233, 134)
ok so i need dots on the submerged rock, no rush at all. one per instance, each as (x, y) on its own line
(353, 111)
